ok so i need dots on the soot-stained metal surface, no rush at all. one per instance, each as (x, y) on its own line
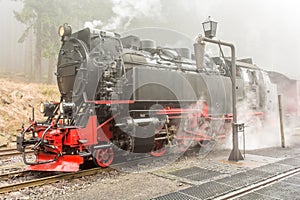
(241, 179)
(186, 172)
(259, 174)
(288, 188)
(281, 190)
(196, 173)
(275, 168)
(175, 196)
(255, 196)
(207, 190)
(203, 175)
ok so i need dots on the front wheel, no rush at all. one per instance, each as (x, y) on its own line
(103, 157)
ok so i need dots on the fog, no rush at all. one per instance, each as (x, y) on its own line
(12, 53)
(267, 31)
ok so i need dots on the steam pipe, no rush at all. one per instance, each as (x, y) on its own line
(233, 72)
(139, 122)
(199, 49)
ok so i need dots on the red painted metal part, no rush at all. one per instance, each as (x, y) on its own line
(93, 135)
(159, 149)
(259, 114)
(104, 157)
(109, 102)
(89, 133)
(71, 137)
(66, 163)
(174, 111)
(194, 109)
(103, 130)
(193, 130)
(159, 152)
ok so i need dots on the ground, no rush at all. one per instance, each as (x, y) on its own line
(171, 178)
(15, 99)
(127, 186)
(177, 178)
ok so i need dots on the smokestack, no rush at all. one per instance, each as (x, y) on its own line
(199, 49)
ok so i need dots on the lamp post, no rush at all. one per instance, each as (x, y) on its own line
(210, 29)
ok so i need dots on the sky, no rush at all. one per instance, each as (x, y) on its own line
(268, 31)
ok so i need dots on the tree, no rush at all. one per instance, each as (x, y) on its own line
(44, 18)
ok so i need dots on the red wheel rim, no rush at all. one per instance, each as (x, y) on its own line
(158, 149)
(104, 157)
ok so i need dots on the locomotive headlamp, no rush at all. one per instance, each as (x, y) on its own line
(66, 108)
(42, 108)
(47, 108)
(210, 27)
(64, 30)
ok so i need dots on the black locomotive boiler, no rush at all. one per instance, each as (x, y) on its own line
(124, 94)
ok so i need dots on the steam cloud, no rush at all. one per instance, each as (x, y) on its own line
(93, 24)
(126, 11)
(261, 134)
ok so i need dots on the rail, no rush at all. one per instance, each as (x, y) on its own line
(242, 191)
(7, 152)
(50, 179)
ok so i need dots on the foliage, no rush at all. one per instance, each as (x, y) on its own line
(42, 18)
(52, 13)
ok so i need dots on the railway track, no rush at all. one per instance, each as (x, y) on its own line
(264, 183)
(134, 163)
(8, 152)
(6, 176)
(48, 179)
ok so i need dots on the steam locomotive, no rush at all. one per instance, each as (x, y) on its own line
(124, 95)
